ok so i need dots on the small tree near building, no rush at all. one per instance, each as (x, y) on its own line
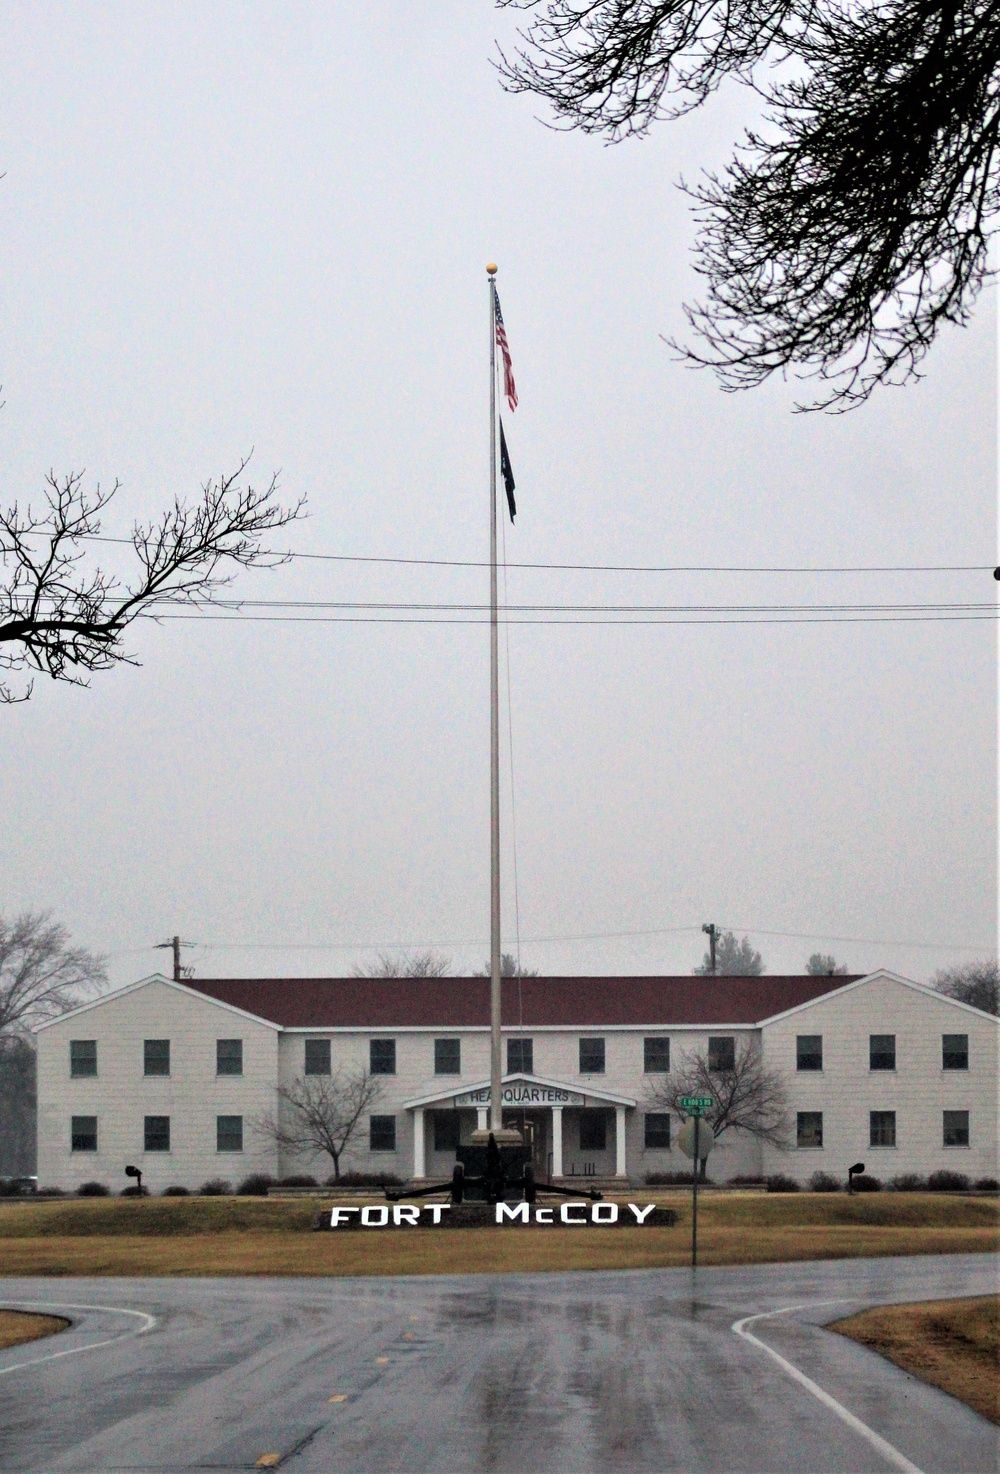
(509, 968)
(41, 975)
(405, 965)
(824, 965)
(733, 959)
(747, 1095)
(975, 983)
(321, 1114)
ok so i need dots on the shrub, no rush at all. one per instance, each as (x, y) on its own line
(216, 1187)
(256, 1185)
(987, 1184)
(673, 1179)
(365, 1179)
(908, 1182)
(300, 1179)
(52, 1192)
(823, 1182)
(866, 1183)
(947, 1182)
(175, 1192)
(779, 1183)
(93, 1190)
(744, 1181)
(135, 1192)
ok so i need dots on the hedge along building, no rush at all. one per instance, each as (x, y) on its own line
(172, 1076)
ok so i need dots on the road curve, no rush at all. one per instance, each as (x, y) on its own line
(640, 1370)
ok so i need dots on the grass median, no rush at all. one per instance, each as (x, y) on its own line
(257, 1236)
(953, 1344)
(18, 1326)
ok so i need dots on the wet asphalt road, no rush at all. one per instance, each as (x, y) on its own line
(574, 1372)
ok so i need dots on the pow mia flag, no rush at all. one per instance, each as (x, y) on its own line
(506, 471)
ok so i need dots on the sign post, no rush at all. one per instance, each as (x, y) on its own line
(695, 1141)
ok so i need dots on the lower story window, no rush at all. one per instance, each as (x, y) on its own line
(156, 1133)
(83, 1134)
(809, 1129)
(956, 1128)
(382, 1134)
(229, 1133)
(657, 1131)
(593, 1131)
(445, 1130)
(882, 1128)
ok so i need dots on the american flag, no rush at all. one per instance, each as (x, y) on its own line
(508, 371)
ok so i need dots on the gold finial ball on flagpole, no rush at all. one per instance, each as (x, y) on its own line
(491, 267)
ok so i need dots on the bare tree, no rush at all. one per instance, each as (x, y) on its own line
(405, 965)
(976, 983)
(733, 959)
(824, 965)
(41, 975)
(509, 968)
(65, 620)
(855, 221)
(747, 1094)
(320, 1114)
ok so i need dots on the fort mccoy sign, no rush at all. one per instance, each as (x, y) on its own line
(490, 1215)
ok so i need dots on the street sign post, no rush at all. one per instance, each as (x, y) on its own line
(696, 1139)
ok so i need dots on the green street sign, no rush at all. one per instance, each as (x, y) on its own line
(697, 1103)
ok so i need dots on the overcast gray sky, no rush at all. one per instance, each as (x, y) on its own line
(232, 226)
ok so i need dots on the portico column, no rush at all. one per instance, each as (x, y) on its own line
(620, 1141)
(419, 1167)
(482, 1118)
(557, 1161)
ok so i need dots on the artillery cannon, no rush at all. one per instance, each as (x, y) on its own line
(493, 1174)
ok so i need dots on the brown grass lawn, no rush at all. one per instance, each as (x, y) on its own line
(220, 1236)
(17, 1326)
(954, 1344)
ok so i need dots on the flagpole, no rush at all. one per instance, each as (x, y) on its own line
(496, 1103)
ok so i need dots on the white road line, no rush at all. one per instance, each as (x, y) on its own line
(881, 1445)
(49, 1305)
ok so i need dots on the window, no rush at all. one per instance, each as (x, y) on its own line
(592, 1057)
(655, 1057)
(317, 1056)
(156, 1056)
(882, 1051)
(229, 1133)
(229, 1058)
(956, 1128)
(954, 1052)
(809, 1052)
(382, 1056)
(520, 1056)
(721, 1054)
(446, 1124)
(83, 1134)
(82, 1057)
(657, 1132)
(382, 1134)
(882, 1128)
(447, 1057)
(809, 1129)
(593, 1131)
(156, 1133)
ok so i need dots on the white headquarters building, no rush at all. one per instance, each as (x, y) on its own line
(173, 1077)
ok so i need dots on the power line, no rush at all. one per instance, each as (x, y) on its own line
(235, 618)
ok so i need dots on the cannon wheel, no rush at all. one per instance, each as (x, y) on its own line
(457, 1182)
(529, 1183)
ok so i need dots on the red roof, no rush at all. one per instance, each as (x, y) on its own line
(456, 1003)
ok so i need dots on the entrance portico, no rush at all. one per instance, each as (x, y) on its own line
(536, 1103)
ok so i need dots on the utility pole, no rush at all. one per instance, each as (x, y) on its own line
(712, 931)
(174, 945)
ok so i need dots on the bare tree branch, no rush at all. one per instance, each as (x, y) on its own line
(975, 983)
(59, 619)
(751, 1096)
(41, 975)
(321, 1114)
(406, 965)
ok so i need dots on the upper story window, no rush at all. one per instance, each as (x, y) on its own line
(954, 1051)
(83, 1134)
(809, 1052)
(881, 1051)
(656, 1056)
(591, 1056)
(156, 1056)
(381, 1056)
(447, 1057)
(722, 1053)
(317, 1056)
(82, 1057)
(229, 1056)
(520, 1057)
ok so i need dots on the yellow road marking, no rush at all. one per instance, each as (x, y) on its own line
(268, 1461)
(338, 1397)
(381, 1361)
